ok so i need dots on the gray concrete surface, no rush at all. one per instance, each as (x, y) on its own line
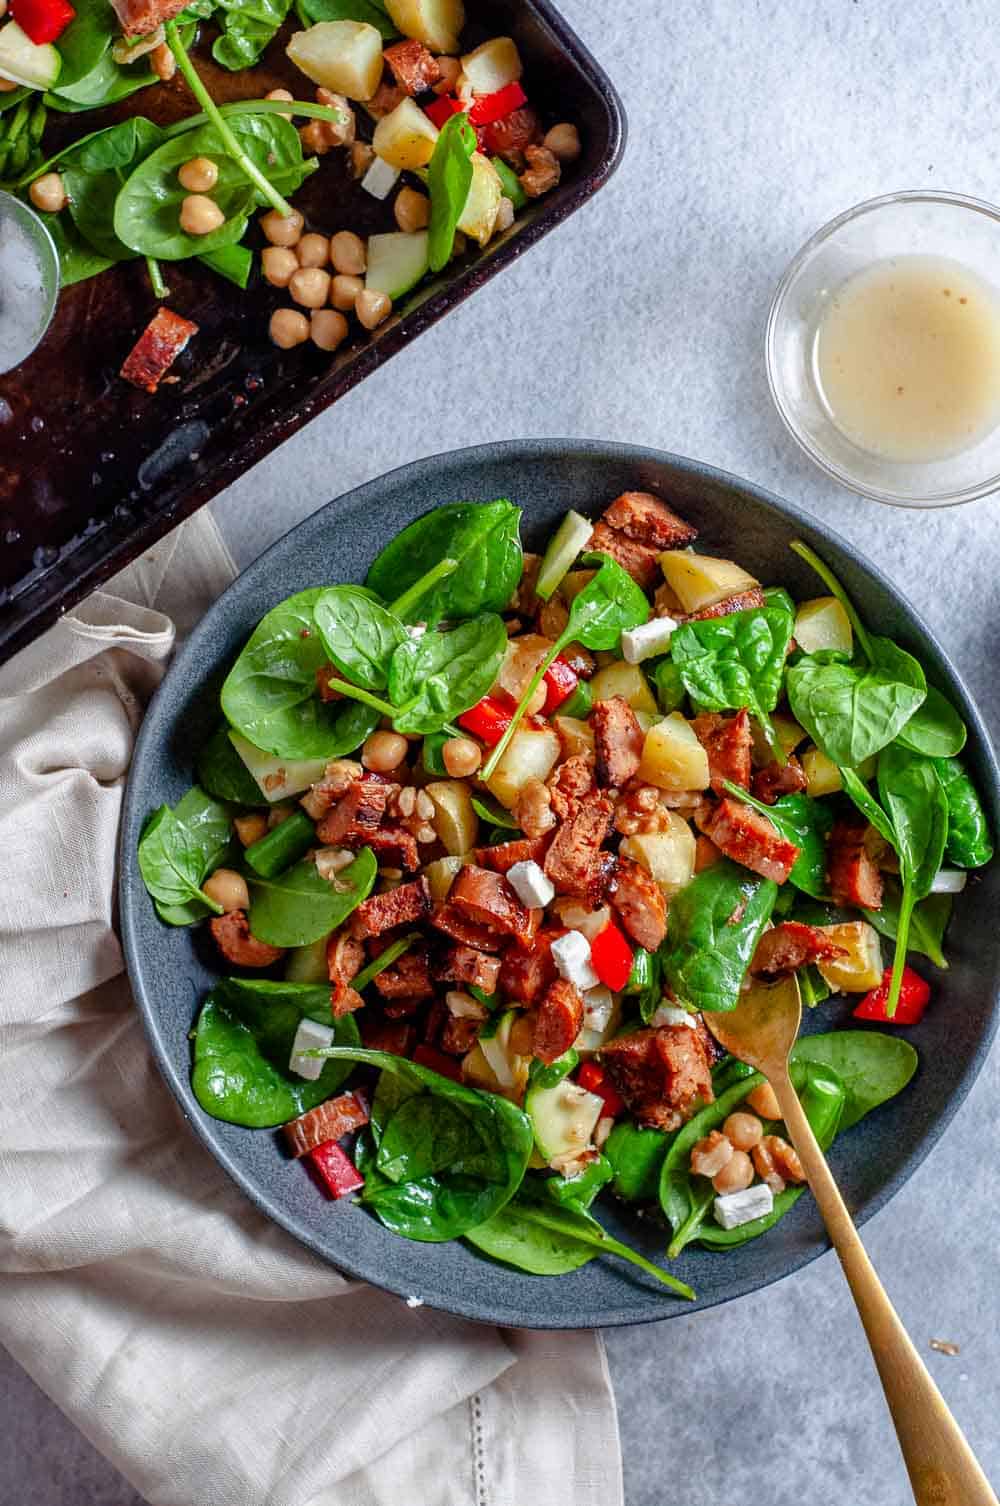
(752, 122)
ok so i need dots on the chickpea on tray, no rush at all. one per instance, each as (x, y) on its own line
(495, 830)
(455, 144)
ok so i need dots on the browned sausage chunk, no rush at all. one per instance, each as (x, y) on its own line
(504, 855)
(400, 907)
(727, 740)
(639, 560)
(395, 1036)
(748, 837)
(742, 602)
(618, 740)
(853, 876)
(328, 1121)
(458, 1035)
(487, 899)
(233, 938)
(526, 972)
(663, 1075)
(412, 66)
(448, 919)
(558, 1022)
(409, 978)
(568, 785)
(790, 946)
(357, 813)
(463, 964)
(345, 956)
(777, 779)
(166, 334)
(573, 860)
(640, 904)
(645, 518)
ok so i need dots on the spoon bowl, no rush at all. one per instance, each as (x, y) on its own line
(763, 1027)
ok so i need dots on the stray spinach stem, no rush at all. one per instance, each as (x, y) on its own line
(257, 107)
(899, 960)
(438, 572)
(383, 960)
(833, 584)
(160, 288)
(211, 109)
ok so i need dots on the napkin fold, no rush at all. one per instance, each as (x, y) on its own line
(210, 1357)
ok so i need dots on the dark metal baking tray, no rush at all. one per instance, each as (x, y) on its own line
(92, 471)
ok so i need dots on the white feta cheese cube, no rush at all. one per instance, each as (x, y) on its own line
(530, 885)
(571, 955)
(669, 1014)
(648, 640)
(463, 1006)
(598, 1004)
(310, 1036)
(735, 1208)
(380, 179)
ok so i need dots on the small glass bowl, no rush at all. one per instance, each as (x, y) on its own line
(900, 224)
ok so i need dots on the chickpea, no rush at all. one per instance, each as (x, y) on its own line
(327, 328)
(163, 63)
(228, 888)
(412, 210)
(710, 1155)
(344, 291)
(563, 141)
(279, 265)
(348, 253)
(200, 175)
(48, 194)
(372, 309)
(313, 250)
(505, 216)
(250, 829)
(288, 328)
(282, 230)
(315, 142)
(362, 157)
(461, 757)
(200, 215)
(310, 286)
(744, 1130)
(383, 752)
(281, 94)
(763, 1101)
(735, 1175)
(451, 70)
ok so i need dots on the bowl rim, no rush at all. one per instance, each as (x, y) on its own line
(825, 232)
(130, 891)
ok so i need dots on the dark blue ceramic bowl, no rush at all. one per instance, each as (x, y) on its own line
(171, 970)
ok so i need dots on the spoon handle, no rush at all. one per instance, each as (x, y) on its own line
(943, 1469)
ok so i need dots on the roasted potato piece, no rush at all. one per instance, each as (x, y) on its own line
(531, 754)
(667, 856)
(455, 822)
(492, 66)
(822, 775)
(576, 737)
(823, 623)
(479, 217)
(345, 56)
(862, 968)
(436, 23)
(628, 681)
(441, 874)
(672, 756)
(699, 581)
(405, 137)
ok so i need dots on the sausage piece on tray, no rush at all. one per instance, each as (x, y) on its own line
(663, 1075)
(790, 946)
(233, 938)
(464, 964)
(777, 779)
(852, 872)
(412, 66)
(573, 859)
(618, 741)
(641, 561)
(164, 337)
(558, 1022)
(728, 741)
(328, 1121)
(487, 899)
(640, 903)
(748, 837)
(742, 602)
(504, 855)
(643, 517)
(399, 907)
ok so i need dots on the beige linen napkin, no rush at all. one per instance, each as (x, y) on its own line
(212, 1359)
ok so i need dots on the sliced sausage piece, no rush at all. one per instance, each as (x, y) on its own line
(792, 945)
(408, 978)
(558, 1022)
(487, 899)
(337, 780)
(777, 779)
(572, 861)
(459, 1035)
(449, 920)
(164, 337)
(504, 855)
(357, 813)
(727, 740)
(412, 66)
(646, 519)
(512, 133)
(568, 784)
(639, 560)
(390, 844)
(618, 741)
(463, 964)
(748, 837)
(400, 907)
(526, 972)
(852, 874)
(663, 1075)
(345, 956)
(140, 17)
(385, 99)
(395, 1036)
(640, 903)
(706, 854)
(328, 1121)
(344, 999)
(741, 602)
(233, 938)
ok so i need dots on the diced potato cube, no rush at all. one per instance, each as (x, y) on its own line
(628, 681)
(574, 582)
(823, 623)
(576, 737)
(672, 756)
(492, 66)
(278, 777)
(699, 581)
(405, 137)
(455, 821)
(436, 23)
(441, 874)
(345, 56)
(822, 774)
(531, 754)
(478, 218)
(521, 659)
(862, 968)
(786, 730)
(667, 856)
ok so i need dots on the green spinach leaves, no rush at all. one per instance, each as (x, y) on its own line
(298, 906)
(713, 927)
(449, 178)
(805, 822)
(852, 711)
(484, 539)
(435, 678)
(969, 843)
(727, 663)
(178, 850)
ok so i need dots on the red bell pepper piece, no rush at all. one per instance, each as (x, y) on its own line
(438, 1061)
(914, 996)
(611, 957)
(490, 107)
(335, 1169)
(441, 110)
(560, 681)
(488, 720)
(596, 1080)
(42, 20)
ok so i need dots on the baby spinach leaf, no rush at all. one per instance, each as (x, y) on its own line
(472, 1177)
(670, 687)
(85, 41)
(969, 843)
(247, 27)
(493, 812)
(449, 178)
(713, 927)
(727, 663)
(93, 177)
(636, 1156)
(918, 809)
(234, 263)
(859, 793)
(78, 260)
(242, 1045)
(435, 678)
(928, 922)
(369, 11)
(852, 711)
(222, 772)
(179, 848)
(298, 906)
(805, 822)
(483, 537)
(359, 635)
(872, 1066)
(935, 728)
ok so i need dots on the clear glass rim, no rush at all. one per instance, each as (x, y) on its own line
(836, 473)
